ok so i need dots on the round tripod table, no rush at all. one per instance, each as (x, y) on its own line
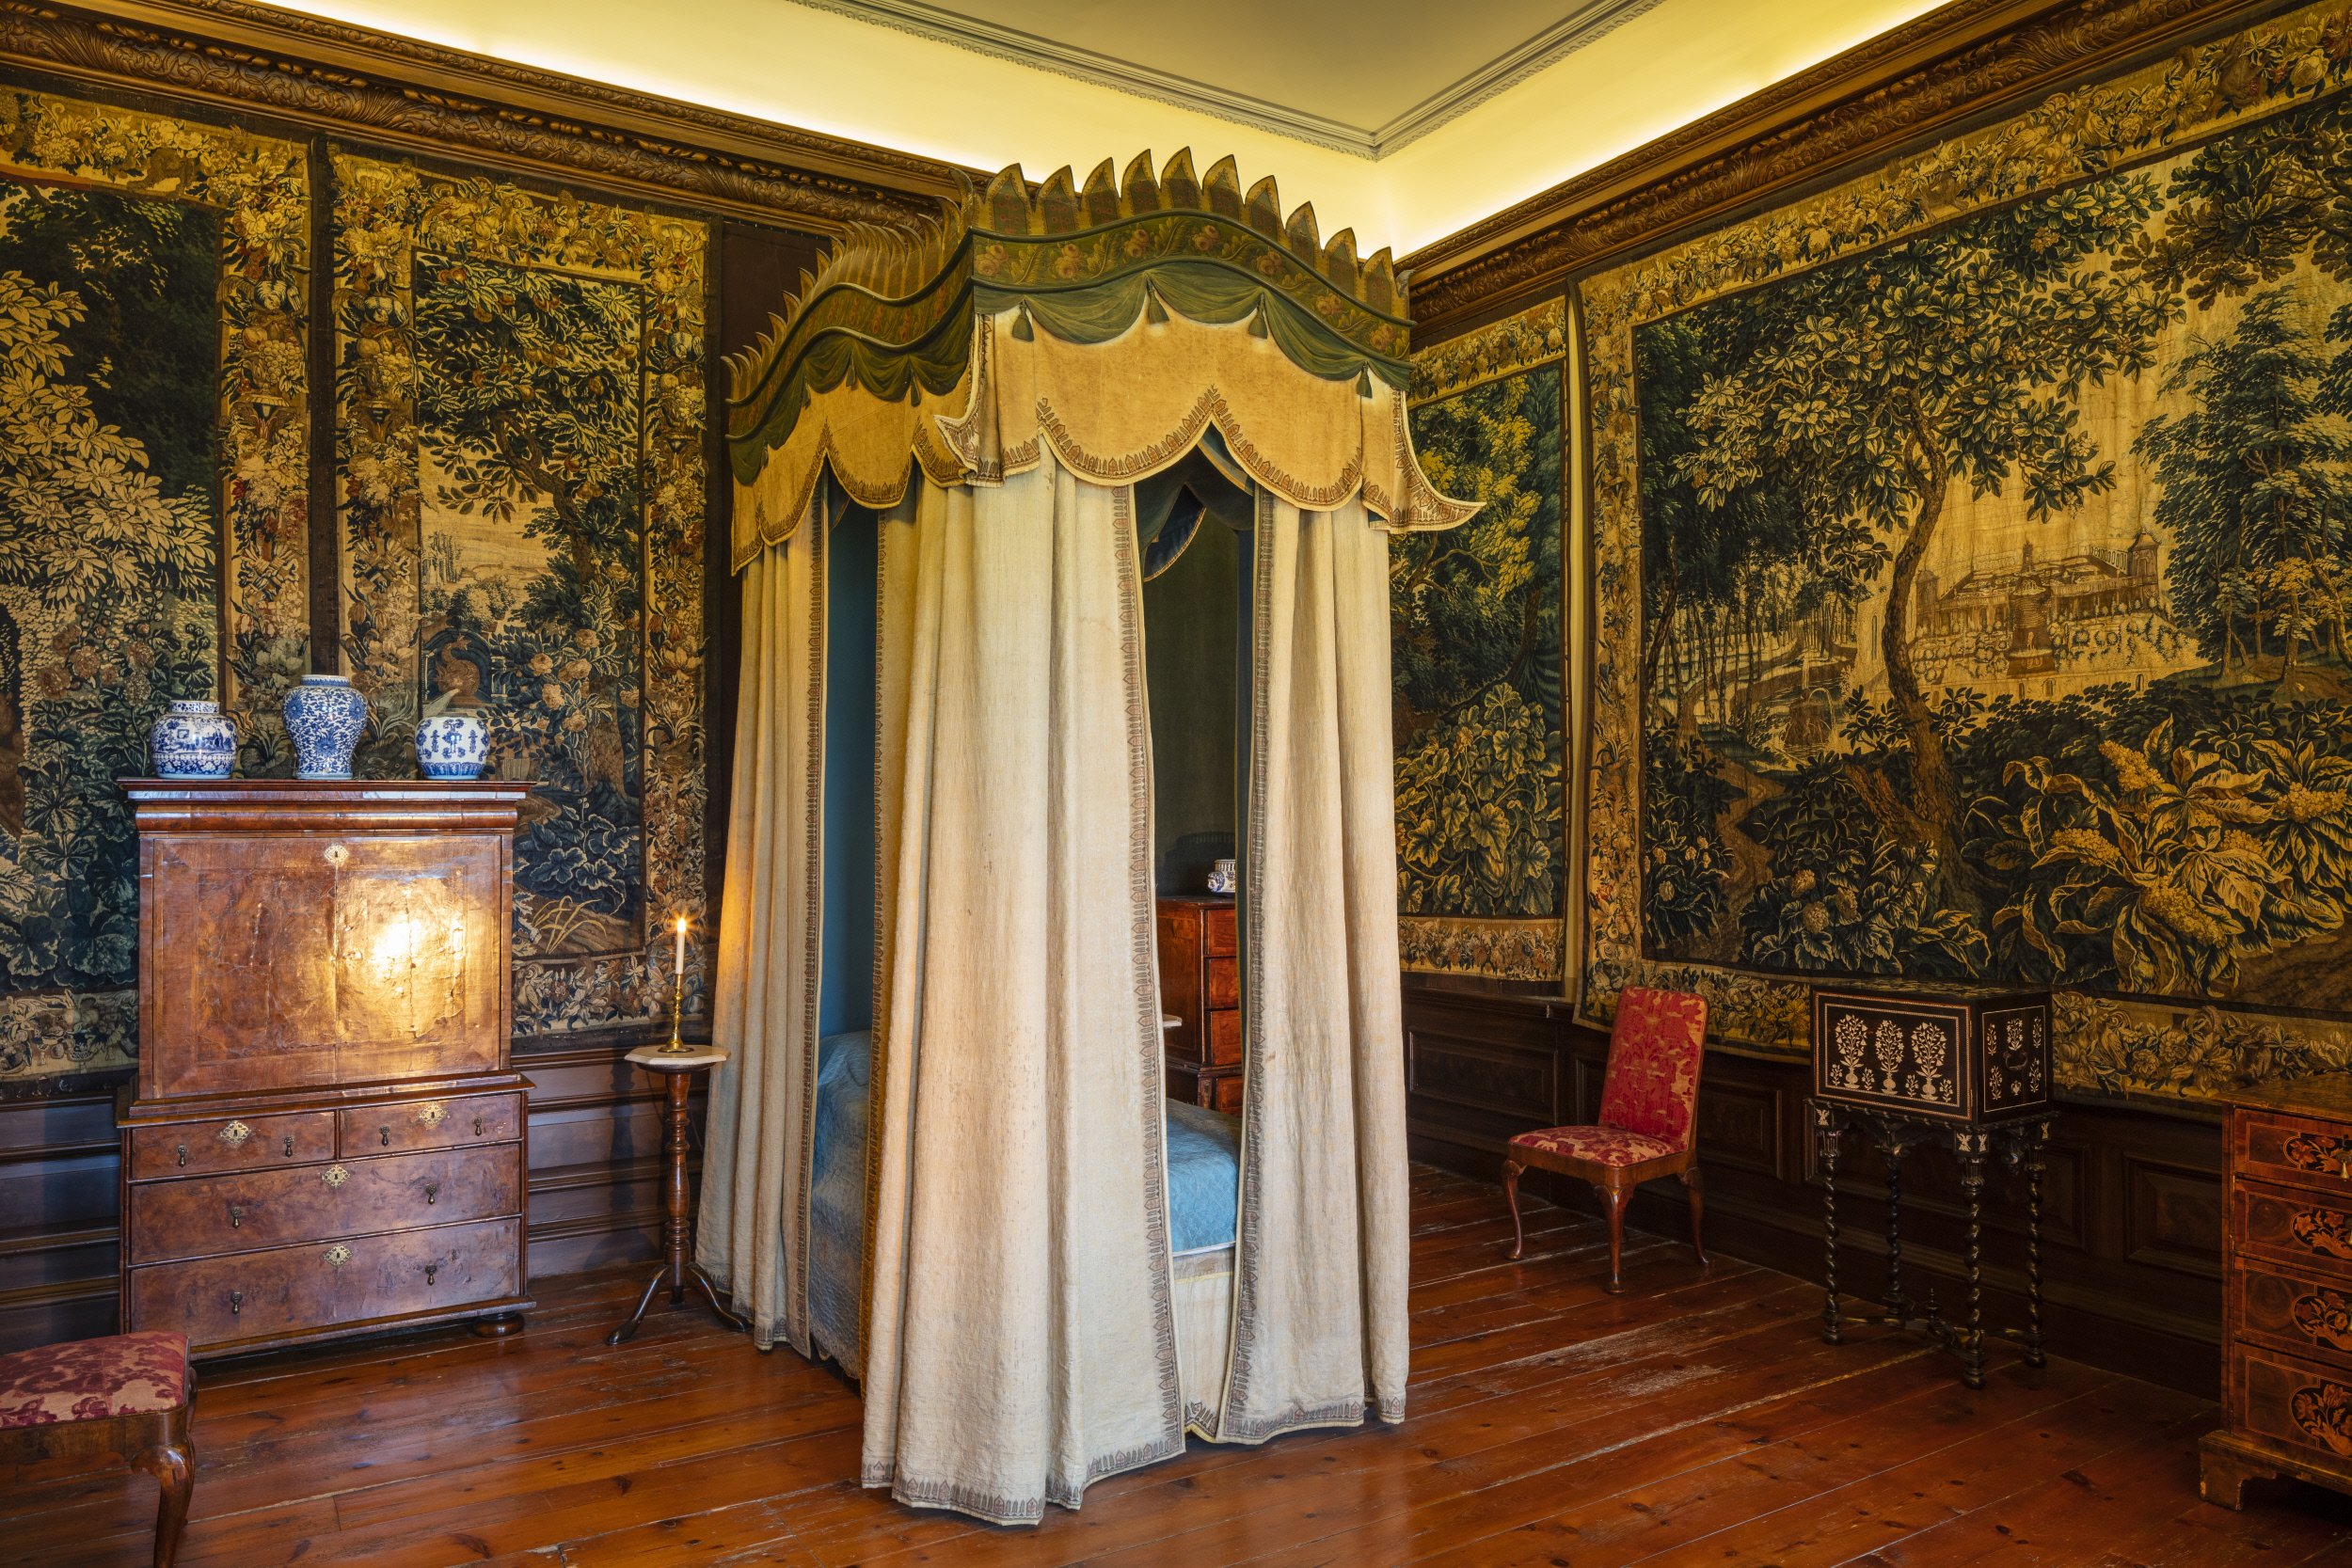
(676, 1070)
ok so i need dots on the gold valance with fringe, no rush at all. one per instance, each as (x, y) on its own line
(1115, 324)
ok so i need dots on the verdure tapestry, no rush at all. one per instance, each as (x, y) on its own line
(1972, 549)
(153, 452)
(519, 426)
(1475, 631)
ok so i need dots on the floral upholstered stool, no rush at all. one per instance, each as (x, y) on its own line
(128, 1395)
(1648, 1122)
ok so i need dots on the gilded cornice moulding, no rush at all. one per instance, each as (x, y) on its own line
(359, 83)
(1956, 62)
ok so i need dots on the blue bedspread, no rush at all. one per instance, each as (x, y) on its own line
(1203, 1175)
(836, 1199)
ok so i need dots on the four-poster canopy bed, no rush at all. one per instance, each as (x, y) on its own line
(942, 1154)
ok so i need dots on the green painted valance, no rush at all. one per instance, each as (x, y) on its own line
(892, 312)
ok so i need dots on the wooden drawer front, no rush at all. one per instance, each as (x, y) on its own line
(208, 1214)
(2291, 1400)
(2299, 1228)
(1225, 1038)
(1224, 982)
(232, 1142)
(2288, 1148)
(432, 1123)
(1222, 928)
(1226, 1095)
(260, 1296)
(2294, 1311)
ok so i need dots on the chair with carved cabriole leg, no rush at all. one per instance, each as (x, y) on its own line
(127, 1394)
(1649, 1126)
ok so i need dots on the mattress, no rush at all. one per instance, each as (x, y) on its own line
(836, 1199)
(1204, 1177)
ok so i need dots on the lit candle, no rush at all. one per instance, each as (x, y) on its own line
(677, 966)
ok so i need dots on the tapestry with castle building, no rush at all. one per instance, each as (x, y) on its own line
(1975, 546)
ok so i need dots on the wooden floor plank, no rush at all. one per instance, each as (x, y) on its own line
(1696, 1418)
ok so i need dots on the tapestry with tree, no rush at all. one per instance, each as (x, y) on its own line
(1481, 818)
(1974, 543)
(153, 455)
(520, 476)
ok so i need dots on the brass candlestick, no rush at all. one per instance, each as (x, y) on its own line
(677, 1046)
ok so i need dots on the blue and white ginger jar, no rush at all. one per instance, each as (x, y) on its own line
(192, 741)
(453, 746)
(324, 718)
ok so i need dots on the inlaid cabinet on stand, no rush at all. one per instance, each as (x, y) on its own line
(326, 1136)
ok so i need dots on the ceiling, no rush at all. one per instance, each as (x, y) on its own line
(1405, 119)
(1361, 76)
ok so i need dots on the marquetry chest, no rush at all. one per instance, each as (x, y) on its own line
(325, 1136)
(2286, 1379)
(1200, 942)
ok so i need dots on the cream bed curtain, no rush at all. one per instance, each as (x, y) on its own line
(763, 1102)
(1022, 1338)
(1320, 1254)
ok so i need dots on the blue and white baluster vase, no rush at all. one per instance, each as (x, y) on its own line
(324, 718)
(192, 741)
(453, 746)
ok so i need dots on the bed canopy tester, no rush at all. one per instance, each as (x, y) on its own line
(968, 411)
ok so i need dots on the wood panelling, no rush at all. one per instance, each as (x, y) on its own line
(594, 1184)
(2132, 1201)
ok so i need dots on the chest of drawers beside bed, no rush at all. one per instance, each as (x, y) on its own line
(1199, 952)
(2287, 1312)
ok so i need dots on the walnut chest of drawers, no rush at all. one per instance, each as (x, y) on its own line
(325, 1136)
(2286, 1378)
(1200, 947)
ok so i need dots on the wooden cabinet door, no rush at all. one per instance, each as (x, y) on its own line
(300, 960)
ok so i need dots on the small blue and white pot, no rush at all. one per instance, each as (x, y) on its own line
(324, 718)
(453, 746)
(192, 741)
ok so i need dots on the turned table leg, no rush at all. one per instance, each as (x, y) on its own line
(676, 1271)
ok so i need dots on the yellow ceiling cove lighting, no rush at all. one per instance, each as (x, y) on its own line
(1415, 120)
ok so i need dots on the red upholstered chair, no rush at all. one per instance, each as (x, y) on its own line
(1648, 1121)
(127, 1394)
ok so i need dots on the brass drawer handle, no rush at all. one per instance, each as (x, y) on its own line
(236, 1216)
(289, 1147)
(236, 1302)
(338, 1255)
(384, 1136)
(430, 1270)
(477, 1127)
(334, 1176)
(235, 1134)
(432, 1191)
(183, 1154)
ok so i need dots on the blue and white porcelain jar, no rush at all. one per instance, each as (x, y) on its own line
(453, 746)
(192, 741)
(324, 718)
